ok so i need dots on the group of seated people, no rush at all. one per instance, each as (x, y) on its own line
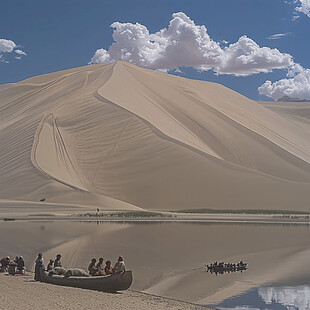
(99, 269)
(13, 266)
(54, 263)
(95, 268)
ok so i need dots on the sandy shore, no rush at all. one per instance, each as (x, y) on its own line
(22, 292)
(49, 214)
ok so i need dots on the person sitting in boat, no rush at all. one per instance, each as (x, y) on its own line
(92, 267)
(50, 265)
(38, 266)
(100, 263)
(21, 265)
(108, 269)
(119, 266)
(57, 262)
(100, 267)
(5, 263)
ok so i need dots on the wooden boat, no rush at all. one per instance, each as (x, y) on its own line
(111, 283)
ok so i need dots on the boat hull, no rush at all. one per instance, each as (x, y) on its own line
(111, 283)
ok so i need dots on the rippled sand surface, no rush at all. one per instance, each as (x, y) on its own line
(118, 136)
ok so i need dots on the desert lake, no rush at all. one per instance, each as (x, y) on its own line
(168, 259)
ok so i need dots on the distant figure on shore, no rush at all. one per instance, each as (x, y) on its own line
(12, 267)
(5, 263)
(57, 262)
(108, 269)
(21, 265)
(92, 267)
(38, 266)
(50, 265)
(119, 266)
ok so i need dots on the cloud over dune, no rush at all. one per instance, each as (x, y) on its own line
(185, 44)
(296, 85)
(304, 7)
(245, 57)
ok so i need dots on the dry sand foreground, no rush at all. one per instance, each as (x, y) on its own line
(24, 293)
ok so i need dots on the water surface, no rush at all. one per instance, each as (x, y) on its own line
(168, 258)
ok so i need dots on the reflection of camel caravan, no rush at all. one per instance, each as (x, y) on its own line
(226, 267)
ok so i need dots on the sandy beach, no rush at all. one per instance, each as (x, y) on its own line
(22, 292)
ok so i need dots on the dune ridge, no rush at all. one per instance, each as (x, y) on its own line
(118, 136)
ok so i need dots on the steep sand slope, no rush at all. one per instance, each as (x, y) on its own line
(119, 136)
(297, 112)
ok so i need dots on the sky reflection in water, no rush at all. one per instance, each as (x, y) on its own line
(274, 298)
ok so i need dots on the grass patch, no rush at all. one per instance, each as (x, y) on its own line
(127, 214)
(229, 211)
(139, 214)
(38, 214)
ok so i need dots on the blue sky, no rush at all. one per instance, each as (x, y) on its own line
(57, 35)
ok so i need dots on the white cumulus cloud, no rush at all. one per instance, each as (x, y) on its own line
(161, 50)
(296, 85)
(6, 46)
(246, 57)
(185, 44)
(304, 7)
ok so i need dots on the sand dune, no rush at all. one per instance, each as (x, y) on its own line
(121, 137)
(297, 112)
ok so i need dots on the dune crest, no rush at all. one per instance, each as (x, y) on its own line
(119, 136)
